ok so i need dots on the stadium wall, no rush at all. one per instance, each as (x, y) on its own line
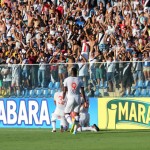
(34, 112)
(108, 113)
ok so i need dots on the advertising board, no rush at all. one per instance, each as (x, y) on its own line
(124, 113)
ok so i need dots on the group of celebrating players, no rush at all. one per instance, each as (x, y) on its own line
(72, 106)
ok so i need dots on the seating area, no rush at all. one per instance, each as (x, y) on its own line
(141, 89)
(42, 92)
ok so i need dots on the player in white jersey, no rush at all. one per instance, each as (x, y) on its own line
(59, 112)
(84, 118)
(84, 114)
(73, 85)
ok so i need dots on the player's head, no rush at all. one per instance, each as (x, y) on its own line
(74, 71)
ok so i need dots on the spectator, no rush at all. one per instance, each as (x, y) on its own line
(127, 78)
(83, 69)
(42, 70)
(100, 31)
(137, 68)
(6, 73)
(146, 66)
(110, 72)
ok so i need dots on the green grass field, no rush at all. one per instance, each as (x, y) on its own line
(43, 139)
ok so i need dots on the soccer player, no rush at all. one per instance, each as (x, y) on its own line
(72, 86)
(84, 118)
(84, 114)
(59, 112)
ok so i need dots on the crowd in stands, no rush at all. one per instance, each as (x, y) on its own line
(107, 40)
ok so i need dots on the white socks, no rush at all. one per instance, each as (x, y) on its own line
(80, 129)
(76, 123)
(54, 125)
(68, 118)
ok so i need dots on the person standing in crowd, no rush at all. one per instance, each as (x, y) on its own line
(41, 70)
(127, 78)
(110, 73)
(83, 69)
(38, 27)
(137, 68)
(16, 68)
(146, 66)
(6, 73)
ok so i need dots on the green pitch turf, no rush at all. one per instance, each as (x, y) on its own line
(43, 139)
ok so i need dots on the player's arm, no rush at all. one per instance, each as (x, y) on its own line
(65, 89)
(83, 94)
(55, 96)
(54, 101)
(64, 92)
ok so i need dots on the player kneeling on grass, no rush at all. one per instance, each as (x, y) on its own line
(84, 118)
(59, 112)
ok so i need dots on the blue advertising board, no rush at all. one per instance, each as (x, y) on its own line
(34, 112)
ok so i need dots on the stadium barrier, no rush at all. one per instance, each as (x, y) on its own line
(34, 112)
(107, 79)
(30, 103)
(108, 113)
(124, 113)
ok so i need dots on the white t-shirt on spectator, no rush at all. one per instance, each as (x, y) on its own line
(99, 38)
(50, 46)
(100, 18)
(28, 37)
(110, 66)
(85, 49)
(135, 3)
(83, 69)
(127, 12)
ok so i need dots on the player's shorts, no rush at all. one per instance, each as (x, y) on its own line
(73, 104)
(62, 119)
(15, 81)
(146, 69)
(84, 119)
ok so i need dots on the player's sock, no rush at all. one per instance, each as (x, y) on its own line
(54, 125)
(76, 123)
(87, 129)
(79, 129)
(68, 118)
(72, 128)
(74, 132)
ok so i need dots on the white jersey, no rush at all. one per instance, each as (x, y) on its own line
(60, 103)
(73, 84)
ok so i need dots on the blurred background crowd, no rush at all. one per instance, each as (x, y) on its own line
(107, 40)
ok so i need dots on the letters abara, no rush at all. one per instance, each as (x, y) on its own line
(26, 112)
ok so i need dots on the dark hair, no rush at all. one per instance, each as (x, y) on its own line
(74, 71)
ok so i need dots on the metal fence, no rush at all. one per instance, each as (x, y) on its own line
(107, 79)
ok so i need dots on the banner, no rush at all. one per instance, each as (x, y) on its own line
(124, 113)
(33, 112)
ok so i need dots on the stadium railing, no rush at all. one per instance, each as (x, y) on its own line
(115, 79)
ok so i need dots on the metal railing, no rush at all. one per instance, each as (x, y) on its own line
(107, 79)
